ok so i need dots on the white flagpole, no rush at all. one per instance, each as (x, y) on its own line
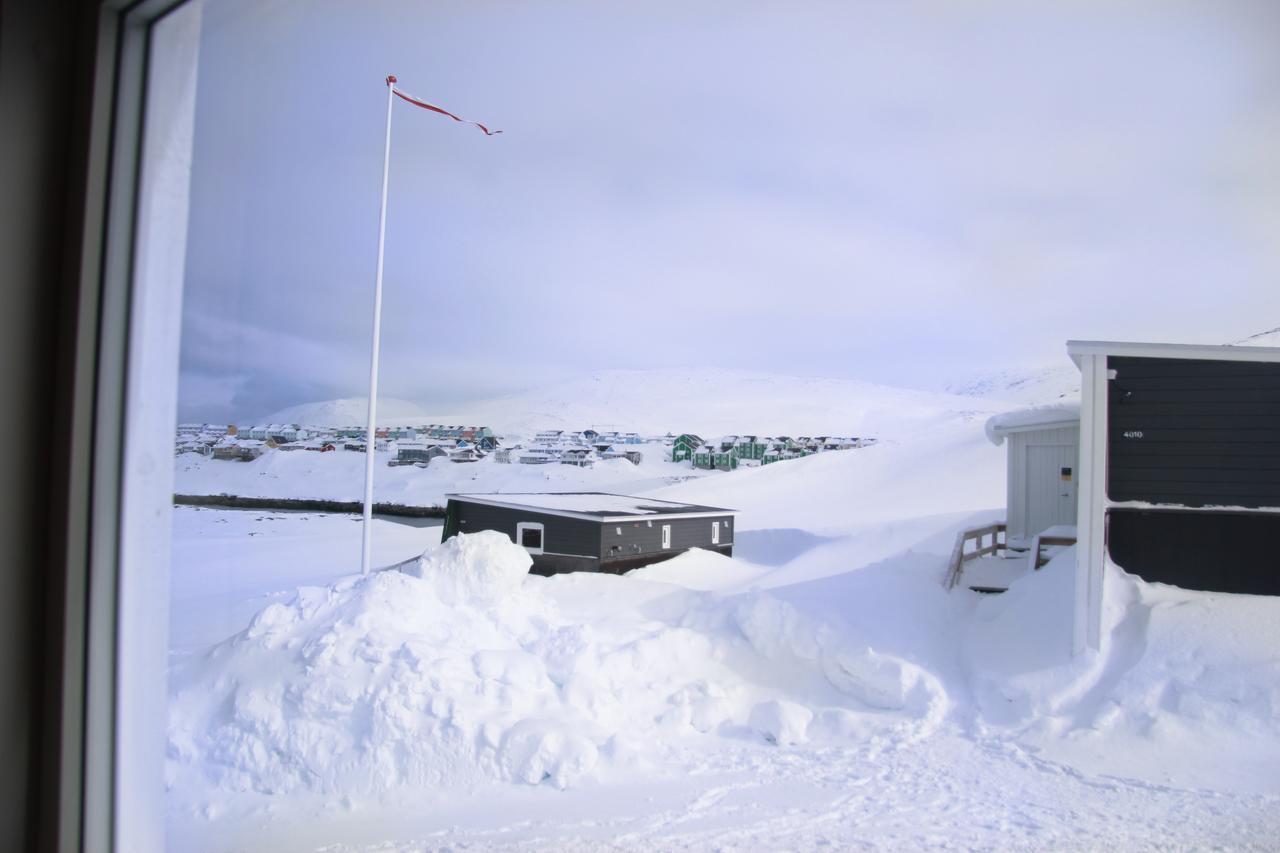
(366, 542)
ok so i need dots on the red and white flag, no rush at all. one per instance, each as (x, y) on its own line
(418, 102)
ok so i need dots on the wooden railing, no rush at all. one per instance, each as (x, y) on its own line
(1035, 559)
(977, 535)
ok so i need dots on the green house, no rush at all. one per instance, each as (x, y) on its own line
(725, 460)
(750, 447)
(685, 446)
(704, 457)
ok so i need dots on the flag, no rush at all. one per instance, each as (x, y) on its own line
(418, 102)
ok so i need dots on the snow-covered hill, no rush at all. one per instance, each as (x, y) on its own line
(349, 411)
(713, 402)
(1026, 386)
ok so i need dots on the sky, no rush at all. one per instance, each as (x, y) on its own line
(901, 193)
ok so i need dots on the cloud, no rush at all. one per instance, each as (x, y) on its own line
(860, 190)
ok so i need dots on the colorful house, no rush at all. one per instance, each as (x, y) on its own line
(684, 447)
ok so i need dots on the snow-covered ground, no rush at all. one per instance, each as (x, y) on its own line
(818, 689)
(340, 476)
(709, 402)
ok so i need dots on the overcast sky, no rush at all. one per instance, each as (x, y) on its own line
(895, 192)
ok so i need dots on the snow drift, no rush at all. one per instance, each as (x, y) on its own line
(461, 668)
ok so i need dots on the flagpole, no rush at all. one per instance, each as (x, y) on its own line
(366, 540)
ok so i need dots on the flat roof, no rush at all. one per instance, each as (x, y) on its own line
(595, 506)
(1225, 352)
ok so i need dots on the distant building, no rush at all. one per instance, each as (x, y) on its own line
(684, 447)
(630, 454)
(592, 531)
(465, 453)
(416, 453)
(582, 457)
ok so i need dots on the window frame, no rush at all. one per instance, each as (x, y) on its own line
(522, 526)
(107, 785)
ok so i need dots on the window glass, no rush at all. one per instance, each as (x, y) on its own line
(861, 175)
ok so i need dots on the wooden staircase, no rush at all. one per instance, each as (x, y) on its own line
(960, 554)
(998, 536)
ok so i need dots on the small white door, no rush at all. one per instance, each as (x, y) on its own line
(715, 533)
(1051, 486)
(666, 536)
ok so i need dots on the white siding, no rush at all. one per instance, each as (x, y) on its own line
(1020, 476)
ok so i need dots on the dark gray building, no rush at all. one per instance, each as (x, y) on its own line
(1180, 469)
(592, 531)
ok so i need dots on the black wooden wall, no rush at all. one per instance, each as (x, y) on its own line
(626, 543)
(637, 538)
(1216, 551)
(561, 535)
(1194, 432)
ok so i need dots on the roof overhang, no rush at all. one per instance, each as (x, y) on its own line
(1061, 416)
(1077, 349)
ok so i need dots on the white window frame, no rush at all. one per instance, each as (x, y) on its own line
(522, 526)
(715, 533)
(666, 536)
(110, 793)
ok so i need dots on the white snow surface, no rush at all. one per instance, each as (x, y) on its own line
(692, 706)
(819, 689)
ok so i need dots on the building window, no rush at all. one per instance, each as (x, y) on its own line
(715, 533)
(529, 535)
(666, 536)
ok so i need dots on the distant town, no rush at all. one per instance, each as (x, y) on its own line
(420, 445)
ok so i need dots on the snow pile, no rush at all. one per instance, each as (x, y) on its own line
(461, 669)
(483, 568)
(781, 722)
(1180, 672)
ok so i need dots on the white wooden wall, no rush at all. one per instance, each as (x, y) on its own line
(1018, 473)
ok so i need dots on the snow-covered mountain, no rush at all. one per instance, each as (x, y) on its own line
(349, 411)
(1025, 386)
(712, 402)
(706, 401)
